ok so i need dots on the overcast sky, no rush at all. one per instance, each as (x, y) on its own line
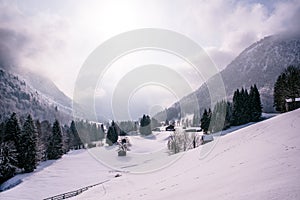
(55, 37)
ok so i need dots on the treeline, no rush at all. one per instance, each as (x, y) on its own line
(147, 124)
(124, 127)
(25, 142)
(287, 86)
(245, 107)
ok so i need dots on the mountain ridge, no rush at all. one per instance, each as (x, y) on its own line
(260, 63)
(19, 96)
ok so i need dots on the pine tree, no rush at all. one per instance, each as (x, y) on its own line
(238, 110)
(228, 117)
(46, 131)
(9, 154)
(41, 146)
(247, 107)
(280, 93)
(205, 121)
(255, 105)
(75, 139)
(209, 114)
(28, 146)
(12, 129)
(287, 86)
(66, 133)
(112, 134)
(145, 128)
(244, 115)
(8, 160)
(55, 146)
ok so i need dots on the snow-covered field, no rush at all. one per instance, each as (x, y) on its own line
(260, 161)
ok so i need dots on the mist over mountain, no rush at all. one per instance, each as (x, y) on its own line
(38, 97)
(260, 64)
(47, 87)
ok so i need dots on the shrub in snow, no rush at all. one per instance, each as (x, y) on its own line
(180, 140)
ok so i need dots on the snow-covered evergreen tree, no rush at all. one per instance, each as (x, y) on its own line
(55, 146)
(9, 154)
(28, 146)
(8, 160)
(205, 121)
(75, 139)
(255, 104)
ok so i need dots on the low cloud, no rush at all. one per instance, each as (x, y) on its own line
(36, 42)
(54, 38)
(12, 45)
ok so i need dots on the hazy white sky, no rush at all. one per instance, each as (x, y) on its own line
(55, 37)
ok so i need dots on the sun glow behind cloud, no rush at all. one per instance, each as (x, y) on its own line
(55, 37)
(150, 95)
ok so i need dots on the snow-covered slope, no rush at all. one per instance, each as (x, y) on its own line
(260, 161)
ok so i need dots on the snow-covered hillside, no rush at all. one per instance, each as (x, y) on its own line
(260, 161)
(257, 162)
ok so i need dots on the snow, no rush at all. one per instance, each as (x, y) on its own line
(74, 171)
(260, 161)
(291, 100)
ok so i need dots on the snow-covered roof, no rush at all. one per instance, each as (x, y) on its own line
(290, 99)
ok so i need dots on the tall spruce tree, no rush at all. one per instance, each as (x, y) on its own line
(9, 153)
(255, 104)
(236, 109)
(12, 129)
(228, 117)
(41, 146)
(75, 139)
(55, 146)
(8, 160)
(205, 121)
(28, 146)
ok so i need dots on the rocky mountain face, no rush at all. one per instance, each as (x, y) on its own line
(38, 97)
(260, 64)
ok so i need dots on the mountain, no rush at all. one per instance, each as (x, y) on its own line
(39, 97)
(260, 64)
(47, 87)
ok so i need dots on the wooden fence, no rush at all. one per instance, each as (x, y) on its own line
(74, 193)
